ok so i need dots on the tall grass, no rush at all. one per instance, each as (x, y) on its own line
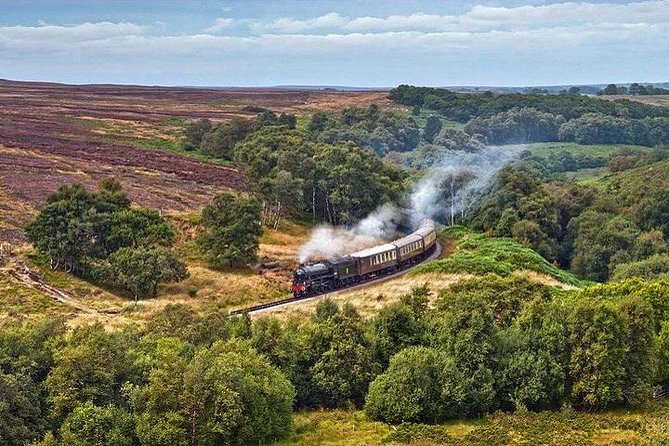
(648, 426)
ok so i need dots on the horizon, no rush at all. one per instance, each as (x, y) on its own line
(324, 86)
(352, 43)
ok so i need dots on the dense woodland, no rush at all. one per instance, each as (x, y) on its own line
(490, 344)
(494, 342)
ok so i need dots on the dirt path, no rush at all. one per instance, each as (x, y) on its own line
(32, 279)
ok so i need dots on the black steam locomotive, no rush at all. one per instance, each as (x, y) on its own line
(328, 275)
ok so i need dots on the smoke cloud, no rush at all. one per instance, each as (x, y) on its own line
(330, 242)
(449, 187)
(454, 183)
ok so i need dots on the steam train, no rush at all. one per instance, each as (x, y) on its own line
(329, 275)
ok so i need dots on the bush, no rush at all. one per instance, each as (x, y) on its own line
(654, 267)
(232, 230)
(90, 425)
(411, 388)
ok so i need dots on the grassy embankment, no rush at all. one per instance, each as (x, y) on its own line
(466, 255)
(648, 426)
(477, 254)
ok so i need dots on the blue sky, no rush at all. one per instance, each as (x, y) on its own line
(346, 42)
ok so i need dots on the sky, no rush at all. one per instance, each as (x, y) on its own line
(363, 43)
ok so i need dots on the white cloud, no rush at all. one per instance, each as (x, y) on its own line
(85, 32)
(572, 13)
(481, 17)
(291, 26)
(524, 40)
(219, 25)
(130, 38)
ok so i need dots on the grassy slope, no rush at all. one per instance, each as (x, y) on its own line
(206, 287)
(545, 149)
(633, 182)
(477, 254)
(602, 151)
(648, 426)
(165, 135)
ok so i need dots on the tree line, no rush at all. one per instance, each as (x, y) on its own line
(522, 125)
(522, 118)
(634, 89)
(187, 378)
(462, 107)
(616, 232)
(382, 131)
(339, 183)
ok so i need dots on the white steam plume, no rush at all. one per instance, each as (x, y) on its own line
(330, 242)
(452, 184)
(448, 188)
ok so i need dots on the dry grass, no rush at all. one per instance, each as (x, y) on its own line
(369, 300)
(660, 101)
(205, 288)
(14, 214)
(335, 428)
(17, 301)
(647, 426)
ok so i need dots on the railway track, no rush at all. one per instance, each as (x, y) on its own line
(436, 252)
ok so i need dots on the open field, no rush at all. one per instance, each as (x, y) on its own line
(660, 100)
(53, 134)
(647, 426)
(545, 149)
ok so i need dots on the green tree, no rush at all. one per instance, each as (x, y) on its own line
(640, 359)
(653, 267)
(90, 365)
(288, 120)
(505, 296)
(529, 234)
(597, 335)
(528, 376)
(232, 230)
(21, 416)
(78, 229)
(411, 389)
(220, 141)
(597, 238)
(393, 329)
(140, 271)
(63, 230)
(257, 398)
(464, 330)
(226, 394)
(663, 354)
(533, 358)
(337, 359)
(90, 425)
(282, 195)
(432, 128)
(157, 401)
(133, 228)
(518, 125)
(195, 131)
